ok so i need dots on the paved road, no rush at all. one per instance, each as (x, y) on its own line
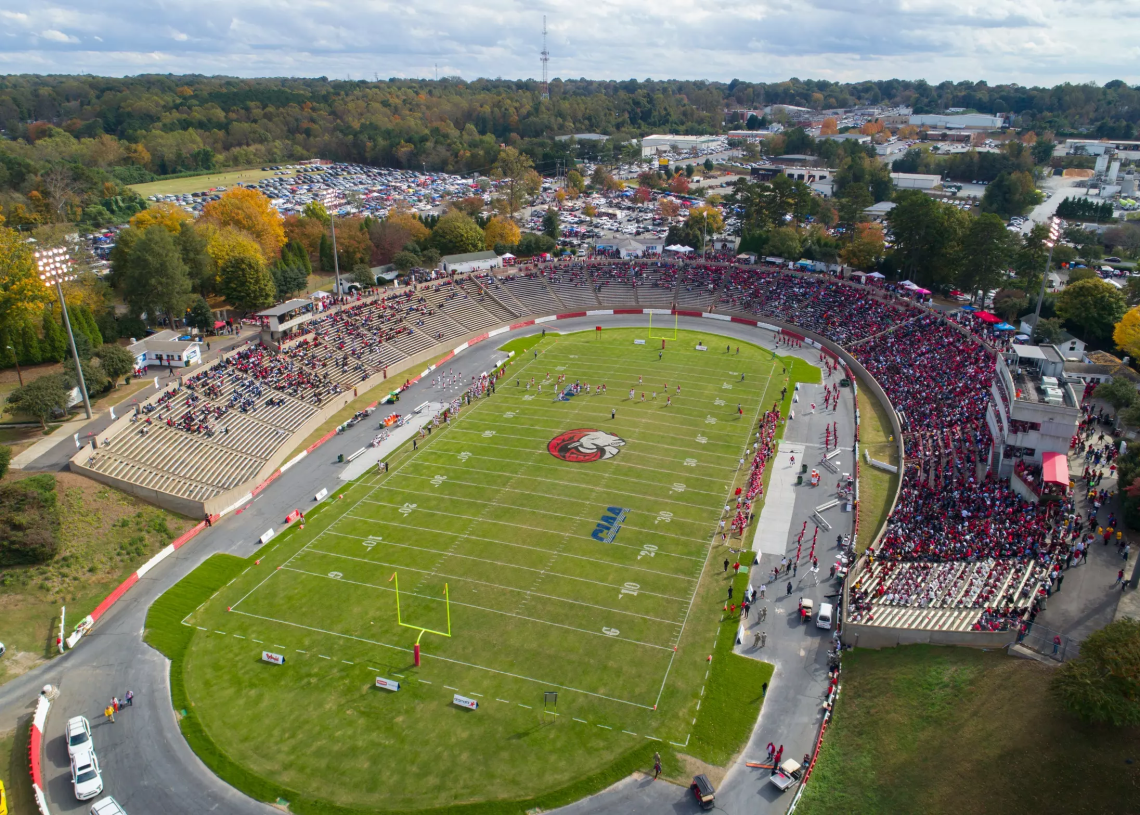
(148, 766)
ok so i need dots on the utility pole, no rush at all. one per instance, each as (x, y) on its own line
(54, 266)
(330, 202)
(1054, 233)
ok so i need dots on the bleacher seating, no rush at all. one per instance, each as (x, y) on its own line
(959, 552)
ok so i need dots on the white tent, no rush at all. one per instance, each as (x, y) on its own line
(907, 284)
(678, 248)
(877, 276)
(507, 256)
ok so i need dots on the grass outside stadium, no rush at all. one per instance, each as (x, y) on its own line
(600, 580)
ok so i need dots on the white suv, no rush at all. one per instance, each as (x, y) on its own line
(85, 776)
(107, 806)
(78, 735)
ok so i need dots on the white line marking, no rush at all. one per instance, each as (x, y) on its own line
(446, 659)
(604, 727)
(504, 701)
(528, 707)
(583, 721)
(322, 656)
(626, 731)
(507, 613)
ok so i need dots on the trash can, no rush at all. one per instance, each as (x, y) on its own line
(803, 468)
(340, 458)
(799, 480)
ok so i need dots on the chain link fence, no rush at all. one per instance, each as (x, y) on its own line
(1050, 643)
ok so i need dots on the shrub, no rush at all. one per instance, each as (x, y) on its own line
(29, 521)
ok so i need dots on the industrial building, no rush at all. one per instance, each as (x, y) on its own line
(916, 181)
(967, 121)
(651, 145)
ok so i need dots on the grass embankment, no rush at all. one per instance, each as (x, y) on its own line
(876, 487)
(957, 731)
(104, 536)
(14, 769)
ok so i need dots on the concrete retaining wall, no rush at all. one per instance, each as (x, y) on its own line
(877, 636)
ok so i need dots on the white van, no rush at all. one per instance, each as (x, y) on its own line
(823, 618)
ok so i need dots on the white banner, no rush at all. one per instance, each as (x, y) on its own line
(387, 684)
(77, 441)
(113, 416)
(276, 659)
(464, 702)
(156, 383)
(265, 538)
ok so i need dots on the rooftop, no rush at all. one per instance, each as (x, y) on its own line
(284, 308)
(468, 256)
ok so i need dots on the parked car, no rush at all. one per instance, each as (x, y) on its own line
(85, 777)
(78, 732)
(107, 806)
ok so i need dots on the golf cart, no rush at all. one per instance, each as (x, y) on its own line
(703, 791)
(807, 607)
(786, 774)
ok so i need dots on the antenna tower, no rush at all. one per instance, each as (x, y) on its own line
(545, 61)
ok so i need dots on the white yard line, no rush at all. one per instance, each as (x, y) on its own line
(429, 511)
(445, 659)
(496, 611)
(523, 546)
(494, 563)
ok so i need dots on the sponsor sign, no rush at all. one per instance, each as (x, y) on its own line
(320, 495)
(609, 525)
(584, 445)
(276, 659)
(387, 684)
(639, 342)
(464, 702)
(265, 538)
(702, 348)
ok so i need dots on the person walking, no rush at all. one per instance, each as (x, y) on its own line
(789, 594)
(1119, 580)
(725, 564)
(656, 765)
(109, 712)
(763, 638)
(613, 412)
(763, 589)
(756, 640)
(1056, 643)
(130, 699)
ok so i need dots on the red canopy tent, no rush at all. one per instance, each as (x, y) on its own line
(992, 319)
(1055, 469)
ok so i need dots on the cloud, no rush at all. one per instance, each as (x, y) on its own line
(58, 36)
(759, 40)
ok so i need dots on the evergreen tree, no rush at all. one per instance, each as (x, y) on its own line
(325, 254)
(53, 345)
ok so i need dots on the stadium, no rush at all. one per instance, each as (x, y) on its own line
(523, 579)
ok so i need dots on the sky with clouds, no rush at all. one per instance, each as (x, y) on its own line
(1039, 42)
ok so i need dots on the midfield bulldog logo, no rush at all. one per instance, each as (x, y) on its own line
(584, 444)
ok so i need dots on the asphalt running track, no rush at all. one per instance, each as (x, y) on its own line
(147, 765)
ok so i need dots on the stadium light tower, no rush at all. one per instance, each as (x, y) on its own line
(55, 269)
(330, 199)
(1054, 234)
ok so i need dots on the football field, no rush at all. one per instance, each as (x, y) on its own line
(540, 543)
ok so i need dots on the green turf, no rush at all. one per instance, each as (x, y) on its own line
(536, 603)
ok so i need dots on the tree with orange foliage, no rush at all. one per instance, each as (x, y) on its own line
(829, 127)
(866, 248)
(642, 195)
(169, 216)
(251, 212)
(1029, 138)
(501, 231)
(668, 208)
(679, 184)
(871, 128)
(908, 132)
